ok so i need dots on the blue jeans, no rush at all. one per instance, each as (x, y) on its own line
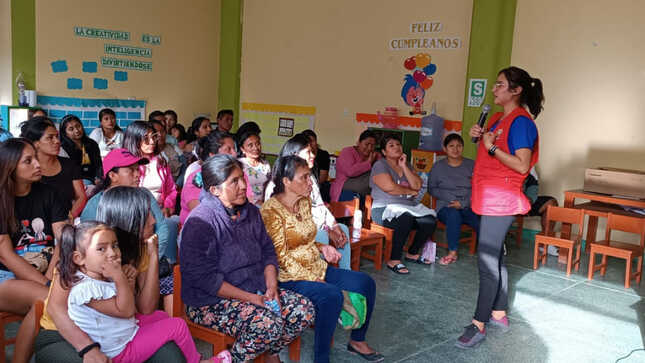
(328, 301)
(453, 218)
(171, 249)
(346, 252)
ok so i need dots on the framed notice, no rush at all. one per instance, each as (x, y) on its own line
(285, 127)
(476, 91)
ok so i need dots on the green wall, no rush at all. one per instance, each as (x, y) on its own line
(491, 43)
(23, 44)
(230, 58)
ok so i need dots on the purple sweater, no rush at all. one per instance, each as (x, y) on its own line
(215, 249)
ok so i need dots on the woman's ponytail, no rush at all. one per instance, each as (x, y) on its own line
(535, 97)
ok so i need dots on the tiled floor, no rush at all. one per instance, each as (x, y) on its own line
(553, 318)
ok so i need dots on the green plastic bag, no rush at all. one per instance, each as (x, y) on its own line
(354, 310)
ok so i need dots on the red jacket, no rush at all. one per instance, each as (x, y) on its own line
(496, 188)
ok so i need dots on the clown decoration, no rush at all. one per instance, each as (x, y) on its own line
(416, 84)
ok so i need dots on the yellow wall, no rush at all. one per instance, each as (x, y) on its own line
(334, 55)
(5, 52)
(589, 54)
(185, 65)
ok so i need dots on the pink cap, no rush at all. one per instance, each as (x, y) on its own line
(118, 158)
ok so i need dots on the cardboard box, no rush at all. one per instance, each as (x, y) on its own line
(622, 182)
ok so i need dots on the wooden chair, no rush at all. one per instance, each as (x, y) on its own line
(470, 239)
(218, 340)
(368, 246)
(548, 237)
(388, 233)
(7, 318)
(626, 251)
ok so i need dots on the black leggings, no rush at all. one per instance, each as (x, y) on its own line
(403, 225)
(493, 277)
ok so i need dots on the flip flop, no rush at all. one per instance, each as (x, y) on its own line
(447, 260)
(419, 260)
(397, 268)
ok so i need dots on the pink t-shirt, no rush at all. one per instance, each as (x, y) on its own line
(189, 193)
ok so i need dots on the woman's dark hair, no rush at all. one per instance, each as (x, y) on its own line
(65, 141)
(217, 169)
(126, 209)
(197, 123)
(210, 144)
(249, 126)
(32, 111)
(309, 134)
(182, 131)
(73, 239)
(108, 111)
(221, 113)
(366, 134)
(159, 123)
(154, 114)
(532, 95)
(452, 136)
(33, 129)
(386, 138)
(286, 167)
(292, 147)
(10, 153)
(171, 113)
(135, 134)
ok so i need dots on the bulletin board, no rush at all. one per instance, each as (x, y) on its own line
(277, 122)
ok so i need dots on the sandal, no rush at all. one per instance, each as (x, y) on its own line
(397, 268)
(419, 260)
(447, 260)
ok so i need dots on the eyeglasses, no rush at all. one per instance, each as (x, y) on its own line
(499, 84)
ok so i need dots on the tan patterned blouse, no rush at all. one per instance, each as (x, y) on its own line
(293, 236)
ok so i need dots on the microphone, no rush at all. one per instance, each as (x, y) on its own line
(481, 121)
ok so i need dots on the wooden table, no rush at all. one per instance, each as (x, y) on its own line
(599, 205)
(369, 241)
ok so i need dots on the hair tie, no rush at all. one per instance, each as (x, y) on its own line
(198, 181)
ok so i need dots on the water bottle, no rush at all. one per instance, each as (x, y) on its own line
(357, 224)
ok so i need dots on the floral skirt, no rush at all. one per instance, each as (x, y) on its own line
(256, 329)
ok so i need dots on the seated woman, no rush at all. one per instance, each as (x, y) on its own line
(329, 232)
(127, 210)
(200, 127)
(179, 133)
(229, 269)
(450, 185)
(141, 140)
(256, 168)
(61, 173)
(393, 184)
(353, 167)
(81, 149)
(226, 146)
(31, 217)
(213, 144)
(169, 152)
(289, 221)
(108, 135)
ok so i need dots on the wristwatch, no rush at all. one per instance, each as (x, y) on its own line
(492, 149)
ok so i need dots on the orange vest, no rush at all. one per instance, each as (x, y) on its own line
(497, 190)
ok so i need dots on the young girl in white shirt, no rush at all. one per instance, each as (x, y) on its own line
(101, 300)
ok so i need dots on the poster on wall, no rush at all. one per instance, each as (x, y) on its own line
(277, 122)
(476, 91)
(87, 110)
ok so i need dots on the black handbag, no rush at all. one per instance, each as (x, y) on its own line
(165, 269)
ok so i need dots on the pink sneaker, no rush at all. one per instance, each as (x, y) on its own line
(223, 357)
(500, 323)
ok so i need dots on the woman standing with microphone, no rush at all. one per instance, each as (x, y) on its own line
(507, 150)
